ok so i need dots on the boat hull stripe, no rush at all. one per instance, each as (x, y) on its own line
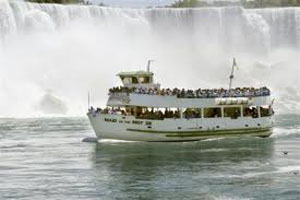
(205, 133)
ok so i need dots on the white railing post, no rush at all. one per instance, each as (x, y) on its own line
(242, 111)
(180, 113)
(222, 111)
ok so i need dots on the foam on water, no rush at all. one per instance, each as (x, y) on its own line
(285, 132)
(111, 141)
(213, 139)
(221, 197)
(247, 175)
(288, 169)
(67, 50)
(214, 150)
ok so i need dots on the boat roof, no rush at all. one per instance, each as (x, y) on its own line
(135, 73)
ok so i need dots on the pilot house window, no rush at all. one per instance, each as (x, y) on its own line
(144, 79)
(126, 80)
(134, 80)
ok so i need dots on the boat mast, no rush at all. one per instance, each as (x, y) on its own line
(148, 65)
(232, 73)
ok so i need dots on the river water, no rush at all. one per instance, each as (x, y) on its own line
(45, 158)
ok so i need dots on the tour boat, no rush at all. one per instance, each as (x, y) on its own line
(140, 110)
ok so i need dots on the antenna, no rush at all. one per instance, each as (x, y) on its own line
(232, 73)
(148, 65)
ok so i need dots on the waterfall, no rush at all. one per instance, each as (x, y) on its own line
(7, 21)
(66, 50)
(280, 24)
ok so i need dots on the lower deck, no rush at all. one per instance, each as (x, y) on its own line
(121, 127)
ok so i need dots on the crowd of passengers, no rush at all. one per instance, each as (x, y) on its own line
(189, 113)
(199, 93)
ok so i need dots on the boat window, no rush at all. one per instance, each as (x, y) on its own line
(134, 80)
(212, 112)
(266, 111)
(157, 113)
(171, 113)
(232, 112)
(145, 79)
(130, 80)
(251, 111)
(192, 113)
(126, 80)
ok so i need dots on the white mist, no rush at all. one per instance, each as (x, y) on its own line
(66, 51)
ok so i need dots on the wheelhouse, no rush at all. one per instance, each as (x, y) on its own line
(138, 79)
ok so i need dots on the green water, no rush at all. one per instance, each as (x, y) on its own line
(46, 159)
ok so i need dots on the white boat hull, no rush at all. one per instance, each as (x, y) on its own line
(108, 126)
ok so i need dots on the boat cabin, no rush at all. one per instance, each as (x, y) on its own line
(138, 79)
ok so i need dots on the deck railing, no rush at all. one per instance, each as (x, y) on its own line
(199, 93)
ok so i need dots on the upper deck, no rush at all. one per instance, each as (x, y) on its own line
(199, 98)
(139, 89)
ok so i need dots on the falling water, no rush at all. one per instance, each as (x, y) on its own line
(51, 55)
